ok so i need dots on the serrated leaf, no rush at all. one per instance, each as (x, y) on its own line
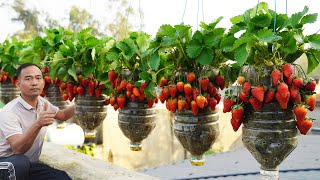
(310, 18)
(168, 40)
(314, 41)
(237, 19)
(266, 35)
(143, 41)
(205, 57)
(166, 30)
(64, 50)
(150, 91)
(241, 55)
(155, 60)
(182, 31)
(296, 17)
(262, 20)
(145, 76)
(194, 49)
(313, 62)
(242, 40)
(72, 72)
(92, 42)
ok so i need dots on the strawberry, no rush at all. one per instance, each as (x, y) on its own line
(288, 80)
(256, 104)
(180, 86)
(235, 124)
(241, 79)
(237, 112)
(163, 82)
(191, 77)
(128, 94)
(107, 102)
(293, 91)
(173, 105)
(98, 92)
(47, 79)
(112, 75)
(297, 99)
(45, 70)
(227, 104)
(90, 88)
(150, 102)
(129, 87)
(246, 88)
(287, 70)
(258, 92)
(187, 89)
(189, 99)
(283, 89)
(311, 85)
(218, 97)
(173, 90)
(195, 92)
(136, 91)
(4, 78)
(305, 125)
(181, 104)
(204, 83)
(201, 100)
(80, 91)
(310, 100)
(212, 90)
(121, 101)
(298, 82)
(276, 76)
(85, 83)
(71, 96)
(70, 88)
(164, 94)
(243, 97)
(116, 106)
(194, 108)
(113, 100)
(212, 103)
(283, 101)
(65, 96)
(269, 96)
(123, 84)
(300, 111)
(219, 80)
(80, 78)
(134, 98)
(14, 80)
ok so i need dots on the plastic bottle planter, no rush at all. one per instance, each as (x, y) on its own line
(90, 112)
(55, 97)
(8, 92)
(270, 135)
(136, 122)
(197, 133)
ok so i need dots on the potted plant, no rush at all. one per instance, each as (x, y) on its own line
(273, 93)
(133, 87)
(196, 63)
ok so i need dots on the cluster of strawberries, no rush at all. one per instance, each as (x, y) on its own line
(125, 91)
(4, 76)
(286, 87)
(195, 94)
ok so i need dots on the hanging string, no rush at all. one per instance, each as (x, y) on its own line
(286, 7)
(90, 12)
(257, 7)
(184, 11)
(275, 15)
(198, 14)
(202, 12)
(127, 18)
(140, 28)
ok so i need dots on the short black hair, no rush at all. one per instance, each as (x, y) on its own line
(23, 66)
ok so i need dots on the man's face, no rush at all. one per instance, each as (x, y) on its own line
(30, 82)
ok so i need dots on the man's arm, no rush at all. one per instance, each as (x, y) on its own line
(66, 113)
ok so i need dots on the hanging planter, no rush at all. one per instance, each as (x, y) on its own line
(196, 133)
(136, 120)
(8, 91)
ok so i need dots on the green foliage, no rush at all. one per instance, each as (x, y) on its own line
(9, 55)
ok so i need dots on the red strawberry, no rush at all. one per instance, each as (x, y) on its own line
(80, 91)
(163, 82)
(164, 94)
(194, 108)
(311, 85)
(71, 96)
(235, 124)
(227, 104)
(70, 88)
(220, 81)
(173, 105)
(47, 79)
(300, 111)
(65, 96)
(276, 76)
(45, 70)
(204, 83)
(112, 75)
(129, 87)
(201, 100)
(283, 101)
(212, 103)
(287, 70)
(113, 100)
(310, 100)
(187, 89)
(288, 80)
(256, 104)
(107, 102)
(297, 99)
(212, 90)
(134, 98)
(269, 96)
(150, 102)
(136, 91)
(283, 89)
(180, 86)
(181, 104)
(243, 97)
(246, 88)
(116, 106)
(195, 92)
(191, 77)
(123, 84)
(293, 91)
(237, 112)
(85, 83)
(173, 90)
(121, 101)
(298, 82)
(218, 97)
(305, 125)
(63, 86)
(258, 92)
(98, 92)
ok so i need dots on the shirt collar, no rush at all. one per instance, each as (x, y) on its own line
(28, 106)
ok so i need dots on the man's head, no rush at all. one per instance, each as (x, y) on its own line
(29, 80)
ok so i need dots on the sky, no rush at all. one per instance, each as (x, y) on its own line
(158, 12)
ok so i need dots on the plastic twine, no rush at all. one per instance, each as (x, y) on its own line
(275, 16)
(184, 11)
(257, 7)
(140, 28)
(198, 14)
(202, 12)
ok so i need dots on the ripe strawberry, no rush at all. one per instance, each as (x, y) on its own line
(258, 92)
(42, 94)
(237, 112)
(311, 85)
(121, 101)
(47, 79)
(70, 88)
(241, 79)
(288, 80)
(227, 104)
(163, 82)
(98, 92)
(195, 92)
(136, 91)
(213, 103)
(116, 106)
(219, 80)
(310, 100)
(150, 102)
(298, 82)
(107, 102)
(212, 90)
(283, 89)
(201, 100)
(180, 86)
(129, 87)
(293, 91)
(189, 99)
(181, 104)
(45, 70)
(71, 96)
(287, 70)
(191, 77)
(80, 91)
(65, 96)
(246, 88)
(305, 125)
(173, 90)
(90, 88)
(256, 104)
(297, 99)
(4, 78)
(283, 101)
(112, 75)
(164, 94)
(85, 83)
(235, 124)
(269, 96)
(300, 111)
(204, 83)
(173, 104)
(134, 98)
(113, 100)
(243, 97)
(218, 97)
(194, 108)
(187, 89)
(80, 78)
(128, 94)
(276, 76)
(63, 86)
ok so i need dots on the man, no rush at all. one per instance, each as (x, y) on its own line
(23, 123)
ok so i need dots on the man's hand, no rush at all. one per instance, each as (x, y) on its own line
(46, 117)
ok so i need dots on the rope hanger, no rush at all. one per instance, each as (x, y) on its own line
(198, 10)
